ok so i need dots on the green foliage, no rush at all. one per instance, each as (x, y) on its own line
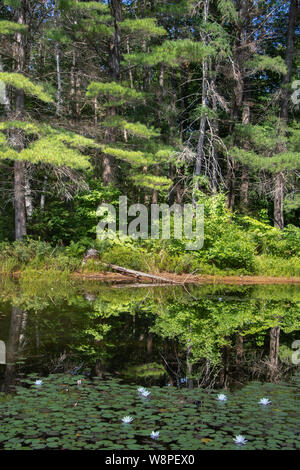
(264, 62)
(78, 221)
(276, 266)
(127, 257)
(227, 10)
(152, 181)
(133, 157)
(19, 81)
(58, 147)
(9, 27)
(143, 26)
(186, 419)
(270, 240)
(114, 90)
(28, 127)
(135, 128)
(172, 53)
(25, 250)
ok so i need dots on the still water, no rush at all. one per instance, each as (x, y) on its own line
(207, 335)
(185, 344)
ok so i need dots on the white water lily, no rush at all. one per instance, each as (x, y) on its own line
(264, 401)
(39, 383)
(240, 440)
(145, 393)
(127, 419)
(222, 397)
(141, 389)
(154, 435)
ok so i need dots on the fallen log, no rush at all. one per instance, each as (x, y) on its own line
(135, 286)
(139, 274)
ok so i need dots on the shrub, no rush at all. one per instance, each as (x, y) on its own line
(275, 266)
(232, 250)
(77, 249)
(127, 257)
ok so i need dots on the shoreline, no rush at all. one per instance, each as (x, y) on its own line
(174, 279)
(181, 279)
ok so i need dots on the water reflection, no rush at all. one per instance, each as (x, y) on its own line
(208, 336)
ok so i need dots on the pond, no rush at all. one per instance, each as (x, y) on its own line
(92, 345)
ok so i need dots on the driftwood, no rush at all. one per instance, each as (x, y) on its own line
(135, 286)
(139, 274)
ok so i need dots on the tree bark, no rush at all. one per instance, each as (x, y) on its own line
(290, 51)
(108, 162)
(28, 192)
(278, 201)
(279, 177)
(5, 98)
(200, 145)
(17, 137)
(12, 348)
(245, 172)
(274, 350)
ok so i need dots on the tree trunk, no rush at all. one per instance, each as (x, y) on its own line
(28, 192)
(12, 348)
(115, 44)
(289, 60)
(274, 350)
(17, 137)
(58, 72)
(245, 171)
(279, 177)
(278, 201)
(59, 86)
(239, 348)
(108, 162)
(4, 98)
(200, 145)
(43, 194)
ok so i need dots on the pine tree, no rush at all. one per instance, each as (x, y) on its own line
(24, 140)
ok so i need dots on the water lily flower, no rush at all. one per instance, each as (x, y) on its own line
(141, 389)
(38, 383)
(240, 440)
(145, 393)
(127, 419)
(78, 382)
(154, 435)
(222, 397)
(264, 401)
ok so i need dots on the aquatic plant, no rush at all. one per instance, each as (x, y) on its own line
(127, 419)
(89, 417)
(264, 401)
(222, 397)
(240, 440)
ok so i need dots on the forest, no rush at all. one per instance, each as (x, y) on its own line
(180, 102)
(150, 339)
